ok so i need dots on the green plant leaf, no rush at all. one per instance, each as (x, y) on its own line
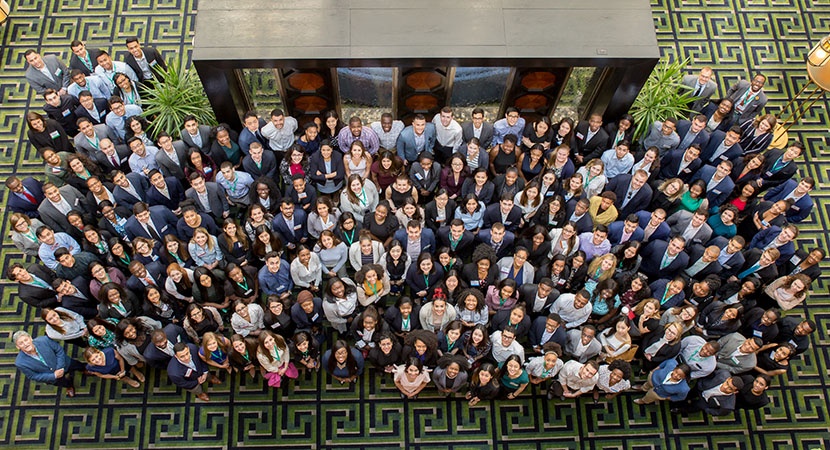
(662, 96)
(167, 102)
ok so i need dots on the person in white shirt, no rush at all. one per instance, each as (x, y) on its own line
(448, 134)
(574, 380)
(388, 131)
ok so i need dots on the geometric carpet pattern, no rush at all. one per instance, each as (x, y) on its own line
(736, 37)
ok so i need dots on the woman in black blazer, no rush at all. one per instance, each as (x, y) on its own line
(321, 175)
(660, 346)
(431, 220)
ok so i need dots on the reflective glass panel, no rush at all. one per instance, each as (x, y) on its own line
(478, 86)
(365, 92)
(576, 94)
(262, 88)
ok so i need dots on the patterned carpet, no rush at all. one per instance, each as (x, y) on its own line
(736, 37)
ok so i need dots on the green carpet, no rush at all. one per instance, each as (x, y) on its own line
(736, 37)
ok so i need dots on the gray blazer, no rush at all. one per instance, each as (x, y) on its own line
(703, 97)
(170, 168)
(54, 218)
(486, 133)
(738, 364)
(216, 198)
(680, 220)
(204, 131)
(755, 106)
(83, 145)
(26, 246)
(40, 82)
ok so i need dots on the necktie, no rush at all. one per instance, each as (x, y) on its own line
(698, 88)
(30, 197)
(153, 233)
(149, 281)
(115, 162)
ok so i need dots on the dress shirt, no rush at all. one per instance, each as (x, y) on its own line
(280, 139)
(390, 139)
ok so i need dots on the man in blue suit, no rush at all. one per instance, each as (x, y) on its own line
(798, 191)
(151, 222)
(130, 188)
(654, 225)
(414, 234)
(633, 194)
(730, 258)
(25, 196)
(692, 132)
(680, 163)
(416, 138)
(505, 212)
(663, 259)
(723, 146)
(718, 183)
(44, 360)
(161, 352)
(623, 231)
(165, 191)
(290, 224)
(782, 238)
(498, 238)
(187, 371)
(252, 132)
(152, 274)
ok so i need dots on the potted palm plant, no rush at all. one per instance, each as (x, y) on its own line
(663, 96)
(177, 94)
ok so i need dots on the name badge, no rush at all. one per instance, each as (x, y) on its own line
(104, 113)
(768, 173)
(757, 333)
(507, 222)
(297, 227)
(301, 195)
(55, 134)
(188, 373)
(792, 342)
(795, 208)
(276, 325)
(716, 191)
(66, 112)
(315, 317)
(687, 170)
(58, 72)
(419, 177)
(475, 283)
(580, 136)
(795, 260)
(153, 63)
(722, 157)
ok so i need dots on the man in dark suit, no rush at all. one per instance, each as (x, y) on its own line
(141, 276)
(75, 296)
(46, 72)
(663, 259)
(171, 157)
(627, 230)
(61, 109)
(633, 194)
(260, 163)
(714, 394)
(703, 261)
(538, 297)
(578, 214)
(34, 285)
(145, 61)
(159, 354)
(702, 88)
(94, 109)
(780, 165)
(195, 135)
(459, 240)
(167, 192)
(252, 132)
(151, 222)
(478, 128)
(83, 59)
(290, 224)
(24, 196)
(719, 184)
(130, 189)
(43, 360)
(654, 225)
(589, 140)
(200, 191)
(760, 263)
(415, 233)
(692, 226)
(748, 97)
(730, 256)
(498, 238)
(799, 192)
(723, 146)
(547, 329)
(187, 371)
(504, 212)
(782, 238)
(692, 132)
(680, 163)
(58, 202)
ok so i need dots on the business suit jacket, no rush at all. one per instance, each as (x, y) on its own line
(801, 208)
(216, 198)
(163, 219)
(54, 358)
(738, 365)
(732, 265)
(615, 232)
(772, 179)
(486, 194)
(288, 235)
(486, 138)
(246, 138)
(680, 220)
(674, 392)
(204, 132)
(695, 253)
(527, 294)
(506, 248)
(585, 223)
(157, 272)
(269, 167)
(597, 143)
(406, 142)
(154, 59)
(431, 215)
(662, 231)
(182, 375)
(427, 240)
(168, 167)
(464, 249)
(493, 215)
(24, 206)
(140, 184)
(717, 405)
(611, 129)
(707, 154)
(703, 97)
(765, 237)
(683, 127)
(316, 163)
(670, 166)
(103, 108)
(40, 82)
(36, 296)
(652, 257)
(766, 274)
(736, 92)
(82, 144)
(76, 63)
(157, 358)
(537, 330)
(639, 202)
(709, 111)
(174, 188)
(57, 220)
(721, 191)
(419, 177)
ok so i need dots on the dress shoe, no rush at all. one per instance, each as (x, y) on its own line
(214, 380)
(70, 392)
(203, 397)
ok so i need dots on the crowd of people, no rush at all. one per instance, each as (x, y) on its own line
(477, 257)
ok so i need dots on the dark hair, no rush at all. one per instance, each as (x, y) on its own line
(351, 362)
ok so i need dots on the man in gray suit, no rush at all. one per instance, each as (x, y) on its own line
(195, 135)
(748, 97)
(702, 88)
(172, 157)
(46, 72)
(209, 197)
(692, 226)
(58, 202)
(88, 140)
(478, 128)
(737, 353)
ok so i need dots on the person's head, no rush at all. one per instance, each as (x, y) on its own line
(485, 374)
(669, 126)
(589, 370)
(272, 261)
(581, 299)
(355, 126)
(680, 372)
(509, 144)
(306, 301)
(594, 122)
(512, 116)
(508, 335)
